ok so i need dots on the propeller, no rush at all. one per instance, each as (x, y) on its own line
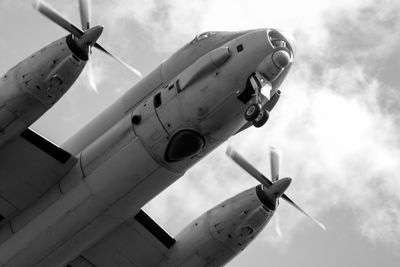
(272, 190)
(86, 13)
(56, 17)
(91, 78)
(274, 163)
(278, 225)
(83, 39)
(274, 166)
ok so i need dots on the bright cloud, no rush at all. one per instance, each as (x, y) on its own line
(170, 22)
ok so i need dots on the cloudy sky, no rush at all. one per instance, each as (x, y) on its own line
(336, 125)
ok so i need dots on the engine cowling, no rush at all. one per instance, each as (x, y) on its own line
(221, 233)
(33, 86)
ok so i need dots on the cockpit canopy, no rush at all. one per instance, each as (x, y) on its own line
(202, 36)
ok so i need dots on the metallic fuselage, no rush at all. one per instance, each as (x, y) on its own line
(122, 153)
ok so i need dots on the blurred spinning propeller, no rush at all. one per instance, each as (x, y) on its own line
(83, 39)
(273, 190)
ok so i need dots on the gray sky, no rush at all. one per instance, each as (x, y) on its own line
(337, 123)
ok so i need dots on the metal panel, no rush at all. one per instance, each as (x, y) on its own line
(18, 193)
(170, 112)
(144, 88)
(6, 117)
(29, 167)
(193, 261)
(6, 208)
(107, 145)
(131, 244)
(81, 262)
(150, 129)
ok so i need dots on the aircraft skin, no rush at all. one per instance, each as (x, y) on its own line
(142, 143)
(213, 239)
(33, 86)
(218, 235)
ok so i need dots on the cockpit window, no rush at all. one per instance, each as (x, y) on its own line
(279, 43)
(281, 39)
(202, 36)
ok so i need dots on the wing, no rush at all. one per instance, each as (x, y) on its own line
(29, 166)
(139, 242)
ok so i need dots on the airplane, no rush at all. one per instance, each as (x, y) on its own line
(59, 202)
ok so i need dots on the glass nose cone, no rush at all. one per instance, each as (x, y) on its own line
(290, 39)
(281, 38)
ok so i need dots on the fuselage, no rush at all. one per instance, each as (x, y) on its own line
(141, 144)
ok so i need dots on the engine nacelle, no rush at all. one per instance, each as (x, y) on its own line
(221, 233)
(33, 86)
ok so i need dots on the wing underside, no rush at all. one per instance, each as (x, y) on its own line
(139, 242)
(29, 166)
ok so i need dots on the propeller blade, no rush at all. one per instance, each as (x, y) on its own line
(56, 17)
(275, 162)
(236, 157)
(119, 60)
(291, 202)
(85, 8)
(92, 80)
(276, 188)
(277, 225)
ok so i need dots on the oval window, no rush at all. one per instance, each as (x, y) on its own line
(183, 145)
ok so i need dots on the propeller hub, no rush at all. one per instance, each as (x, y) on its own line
(79, 42)
(270, 195)
(279, 187)
(81, 46)
(91, 35)
(269, 192)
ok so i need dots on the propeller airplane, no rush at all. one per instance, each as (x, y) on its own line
(79, 204)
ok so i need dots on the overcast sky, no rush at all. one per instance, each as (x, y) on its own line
(336, 125)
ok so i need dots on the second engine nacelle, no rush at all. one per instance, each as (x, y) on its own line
(220, 234)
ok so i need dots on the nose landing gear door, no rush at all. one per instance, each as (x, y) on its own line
(262, 85)
(258, 89)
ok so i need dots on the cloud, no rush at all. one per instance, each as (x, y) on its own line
(339, 139)
(169, 22)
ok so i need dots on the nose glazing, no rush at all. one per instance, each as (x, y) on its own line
(281, 38)
(290, 39)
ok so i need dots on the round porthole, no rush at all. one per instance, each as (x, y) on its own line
(183, 145)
